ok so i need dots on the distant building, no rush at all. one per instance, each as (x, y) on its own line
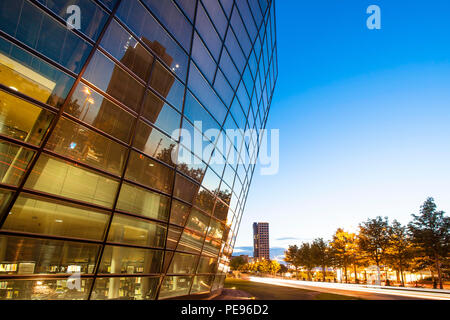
(261, 248)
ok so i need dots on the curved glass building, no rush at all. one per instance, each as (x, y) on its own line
(102, 193)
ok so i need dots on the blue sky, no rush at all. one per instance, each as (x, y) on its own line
(363, 116)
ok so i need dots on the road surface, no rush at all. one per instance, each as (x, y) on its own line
(361, 291)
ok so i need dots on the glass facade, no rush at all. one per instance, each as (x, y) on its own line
(88, 182)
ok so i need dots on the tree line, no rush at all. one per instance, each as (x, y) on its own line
(421, 244)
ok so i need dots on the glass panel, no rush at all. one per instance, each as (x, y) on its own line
(185, 189)
(222, 212)
(207, 32)
(216, 229)
(202, 284)
(174, 287)
(130, 260)
(128, 288)
(207, 265)
(218, 282)
(198, 221)
(14, 161)
(149, 31)
(190, 242)
(86, 146)
(206, 95)
(22, 120)
(172, 19)
(148, 172)
(137, 232)
(27, 256)
(154, 143)
(211, 247)
(204, 200)
(5, 195)
(98, 111)
(38, 215)
(173, 237)
(29, 75)
(217, 15)
(94, 18)
(139, 201)
(160, 113)
(125, 48)
(203, 59)
(43, 289)
(27, 23)
(190, 165)
(183, 264)
(61, 178)
(112, 79)
(180, 212)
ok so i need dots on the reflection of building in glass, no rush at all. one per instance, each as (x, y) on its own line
(87, 183)
(261, 248)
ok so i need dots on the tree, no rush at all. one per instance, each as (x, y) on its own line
(306, 258)
(374, 240)
(291, 256)
(274, 266)
(237, 263)
(283, 269)
(321, 255)
(430, 231)
(399, 251)
(341, 247)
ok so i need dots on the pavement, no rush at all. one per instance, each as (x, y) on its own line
(361, 291)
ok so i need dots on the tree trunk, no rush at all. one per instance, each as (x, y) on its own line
(323, 271)
(345, 273)
(356, 274)
(402, 277)
(438, 268)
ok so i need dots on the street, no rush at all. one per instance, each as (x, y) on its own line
(360, 291)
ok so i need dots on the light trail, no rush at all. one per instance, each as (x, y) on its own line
(346, 289)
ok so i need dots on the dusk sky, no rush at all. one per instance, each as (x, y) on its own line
(363, 118)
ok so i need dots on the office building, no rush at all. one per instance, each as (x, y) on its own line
(95, 202)
(261, 247)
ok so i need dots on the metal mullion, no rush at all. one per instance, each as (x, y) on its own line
(211, 19)
(235, 91)
(56, 119)
(18, 142)
(37, 54)
(79, 163)
(41, 276)
(164, 273)
(62, 21)
(140, 217)
(153, 126)
(8, 187)
(122, 66)
(101, 5)
(223, 42)
(31, 235)
(108, 97)
(42, 194)
(246, 30)
(155, 55)
(240, 80)
(122, 178)
(134, 246)
(24, 97)
(95, 129)
(164, 27)
(125, 275)
(153, 159)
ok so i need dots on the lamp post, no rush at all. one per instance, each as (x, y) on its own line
(86, 101)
